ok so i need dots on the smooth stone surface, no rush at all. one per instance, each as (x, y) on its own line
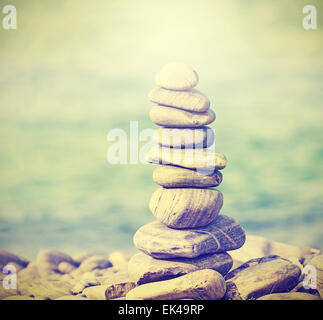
(92, 263)
(259, 277)
(66, 267)
(18, 298)
(95, 292)
(159, 241)
(48, 260)
(118, 285)
(72, 297)
(178, 118)
(190, 100)
(44, 288)
(143, 268)
(184, 138)
(204, 284)
(186, 207)
(177, 177)
(257, 247)
(80, 257)
(119, 260)
(83, 284)
(289, 296)
(206, 161)
(176, 76)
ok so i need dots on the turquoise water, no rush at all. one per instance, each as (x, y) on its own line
(72, 72)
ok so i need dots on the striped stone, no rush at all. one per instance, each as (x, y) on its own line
(177, 118)
(144, 268)
(186, 207)
(184, 138)
(159, 241)
(207, 160)
(190, 100)
(177, 177)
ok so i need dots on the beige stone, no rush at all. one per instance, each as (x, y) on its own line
(178, 118)
(72, 297)
(66, 267)
(190, 100)
(176, 76)
(184, 138)
(118, 285)
(19, 298)
(177, 177)
(48, 261)
(204, 284)
(254, 279)
(186, 207)
(44, 288)
(80, 257)
(92, 263)
(143, 268)
(289, 296)
(221, 235)
(204, 160)
(95, 292)
(119, 260)
(257, 246)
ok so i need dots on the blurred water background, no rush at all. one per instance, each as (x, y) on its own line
(74, 70)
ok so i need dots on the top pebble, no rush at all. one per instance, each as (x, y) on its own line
(177, 76)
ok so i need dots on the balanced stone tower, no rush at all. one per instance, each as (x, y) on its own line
(189, 233)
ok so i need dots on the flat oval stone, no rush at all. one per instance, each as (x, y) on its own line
(178, 118)
(186, 207)
(176, 76)
(159, 241)
(204, 284)
(177, 177)
(191, 100)
(184, 138)
(144, 268)
(259, 277)
(206, 160)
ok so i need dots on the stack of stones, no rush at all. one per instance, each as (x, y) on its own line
(189, 234)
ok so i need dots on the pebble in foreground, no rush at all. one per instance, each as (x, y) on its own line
(204, 284)
(260, 277)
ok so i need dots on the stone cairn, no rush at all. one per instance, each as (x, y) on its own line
(189, 234)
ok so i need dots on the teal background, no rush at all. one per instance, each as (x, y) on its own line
(74, 70)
